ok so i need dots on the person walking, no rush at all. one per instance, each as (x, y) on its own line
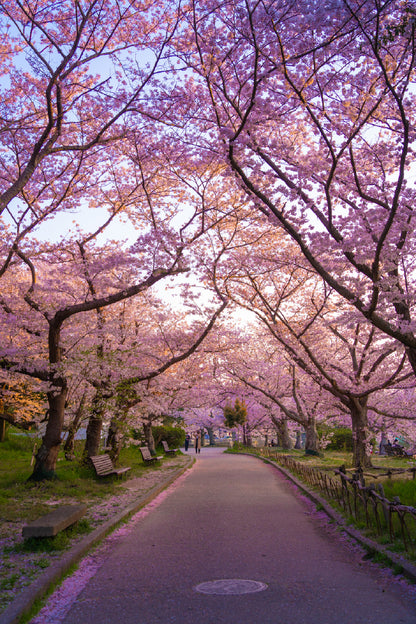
(187, 440)
(198, 443)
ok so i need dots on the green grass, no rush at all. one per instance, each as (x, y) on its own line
(404, 489)
(401, 485)
(9, 583)
(51, 544)
(24, 500)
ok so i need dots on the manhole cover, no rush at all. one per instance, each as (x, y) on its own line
(230, 587)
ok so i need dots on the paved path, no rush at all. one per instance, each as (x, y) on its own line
(234, 517)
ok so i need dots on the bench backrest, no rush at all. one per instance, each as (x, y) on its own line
(145, 452)
(102, 463)
(165, 446)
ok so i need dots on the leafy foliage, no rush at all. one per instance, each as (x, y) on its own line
(340, 440)
(235, 415)
(174, 436)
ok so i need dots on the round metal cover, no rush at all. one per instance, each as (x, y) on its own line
(230, 587)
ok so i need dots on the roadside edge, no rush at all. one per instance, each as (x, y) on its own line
(57, 570)
(408, 569)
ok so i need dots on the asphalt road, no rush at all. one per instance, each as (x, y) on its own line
(234, 517)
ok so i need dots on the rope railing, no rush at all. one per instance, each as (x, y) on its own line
(365, 503)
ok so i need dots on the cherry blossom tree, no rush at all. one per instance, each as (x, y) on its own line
(73, 74)
(310, 105)
(42, 324)
(276, 385)
(211, 129)
(148, 379)
(352, 361)
(22, 403)
(268, 378)
(172, 217)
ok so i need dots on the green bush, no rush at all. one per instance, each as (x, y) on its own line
(340, 440)
(174, 436)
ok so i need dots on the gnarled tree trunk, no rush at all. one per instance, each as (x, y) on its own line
(73, 428)
(282, 431)
(312, 439)
(148, 436)
(47, 455)
(94, 427)
(115, 439)
(361, 437)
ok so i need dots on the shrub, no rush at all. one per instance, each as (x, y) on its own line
(174, 436)
(340, 440)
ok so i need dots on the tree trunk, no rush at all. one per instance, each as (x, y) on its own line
(247, 436)
(115, 439)
(211, 436)
(202, 434)
(3, 429)
(73, 428)
(47, 455)
(69, 446)
(312, 440)
(148, 436)
(282, 431)
(93, 436)
(246, 440)
(94, 427)
(361, 437)
(111, 441)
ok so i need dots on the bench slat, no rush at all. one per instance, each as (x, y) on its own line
(104, 466)
(147, 457)
(167, 450)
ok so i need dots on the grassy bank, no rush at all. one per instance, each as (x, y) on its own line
(21, 501)
(398, 483)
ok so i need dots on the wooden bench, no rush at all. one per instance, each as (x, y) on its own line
(104, 466)
(167, 450)
(395, 450)
(148, 458)
(54, 521)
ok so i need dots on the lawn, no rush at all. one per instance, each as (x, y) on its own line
(21, 499)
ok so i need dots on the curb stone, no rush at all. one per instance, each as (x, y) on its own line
(407, 568)
(40, 586)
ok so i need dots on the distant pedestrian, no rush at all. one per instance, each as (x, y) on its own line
(198, 443)
(187, 440)
(383, 443)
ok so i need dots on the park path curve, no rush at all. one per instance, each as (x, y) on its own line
(235, 518)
